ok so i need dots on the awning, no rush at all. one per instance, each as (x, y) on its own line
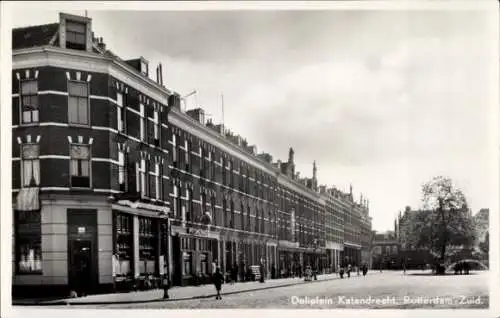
(28, 199)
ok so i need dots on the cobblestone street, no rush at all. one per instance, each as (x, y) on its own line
(454, 291)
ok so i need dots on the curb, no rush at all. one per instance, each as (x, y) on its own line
(156, 300)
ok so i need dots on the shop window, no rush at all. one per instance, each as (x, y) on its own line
(124, 242)
(80, 165)
(29, 101)
(147, 246)
(204, 263)
(28, 238)
(186, 264)
(78, 102)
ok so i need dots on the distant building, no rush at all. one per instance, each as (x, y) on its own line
(385, 250)
(481, 224)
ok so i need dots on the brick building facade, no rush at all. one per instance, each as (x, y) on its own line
(113, 184)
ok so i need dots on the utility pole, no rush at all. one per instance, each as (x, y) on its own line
(222, 102)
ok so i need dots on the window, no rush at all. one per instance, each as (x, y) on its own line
(212, 206)
(248, 219)
(204, 263)
(176, 203)
(75, 35)
(141, 180)
(142, 122)
(231, 220)
(154, 187)
(224, 171)
(211, 157)
(202, 163)
(80, 165)
(224, 208)
(157, 181)
(174, 148)
(186, 264)
(180, 155)
(78, 102)
(156, 129)
(121, 170)
(28, 231)
(124, 242)
(231, 176)
(187, 148)
(242, 217)
(120, 112)
(30, 165)
(147, 245)
(29, 101)
(257, 220)
(144, 67)
(189, 205)
(203, 207)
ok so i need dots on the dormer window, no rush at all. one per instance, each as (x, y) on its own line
(144, 67)
(76, 35)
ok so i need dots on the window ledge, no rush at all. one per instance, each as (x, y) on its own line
(79, 125)
(29, 125)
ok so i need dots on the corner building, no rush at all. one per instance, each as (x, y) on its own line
(114, 187)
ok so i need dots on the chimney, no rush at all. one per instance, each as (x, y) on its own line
(158, 74)
(100, 44)
(161, 74)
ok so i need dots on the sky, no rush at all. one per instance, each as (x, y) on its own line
(380, 99)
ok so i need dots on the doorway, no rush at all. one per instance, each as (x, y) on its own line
(80, 263)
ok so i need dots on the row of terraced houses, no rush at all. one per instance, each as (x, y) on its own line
(113, 182)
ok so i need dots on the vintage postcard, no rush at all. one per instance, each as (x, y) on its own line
(250, 155)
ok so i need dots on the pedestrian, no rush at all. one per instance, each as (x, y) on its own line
(357, 270)
(218, 279)
(349, 269)
(261, 269)
(166, 286)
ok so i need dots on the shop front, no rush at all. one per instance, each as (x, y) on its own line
(140, 246)
(195, 257)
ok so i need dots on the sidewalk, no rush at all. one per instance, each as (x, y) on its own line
(176, 293)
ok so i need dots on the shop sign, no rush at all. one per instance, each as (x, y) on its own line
(81, 230)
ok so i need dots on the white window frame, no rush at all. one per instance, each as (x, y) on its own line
(176, 194)
(119, 102)
(86, 98)
(142, 133)
(187, 153)
(89, 164)
(141, 181)
(174, 146)
(34, 113)
(121, 167)
(156, 174)
(156, 125)
(34, 161)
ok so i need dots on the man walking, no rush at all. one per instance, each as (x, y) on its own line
(218, 279)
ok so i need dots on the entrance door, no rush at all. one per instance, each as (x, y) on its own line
(81, 266)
